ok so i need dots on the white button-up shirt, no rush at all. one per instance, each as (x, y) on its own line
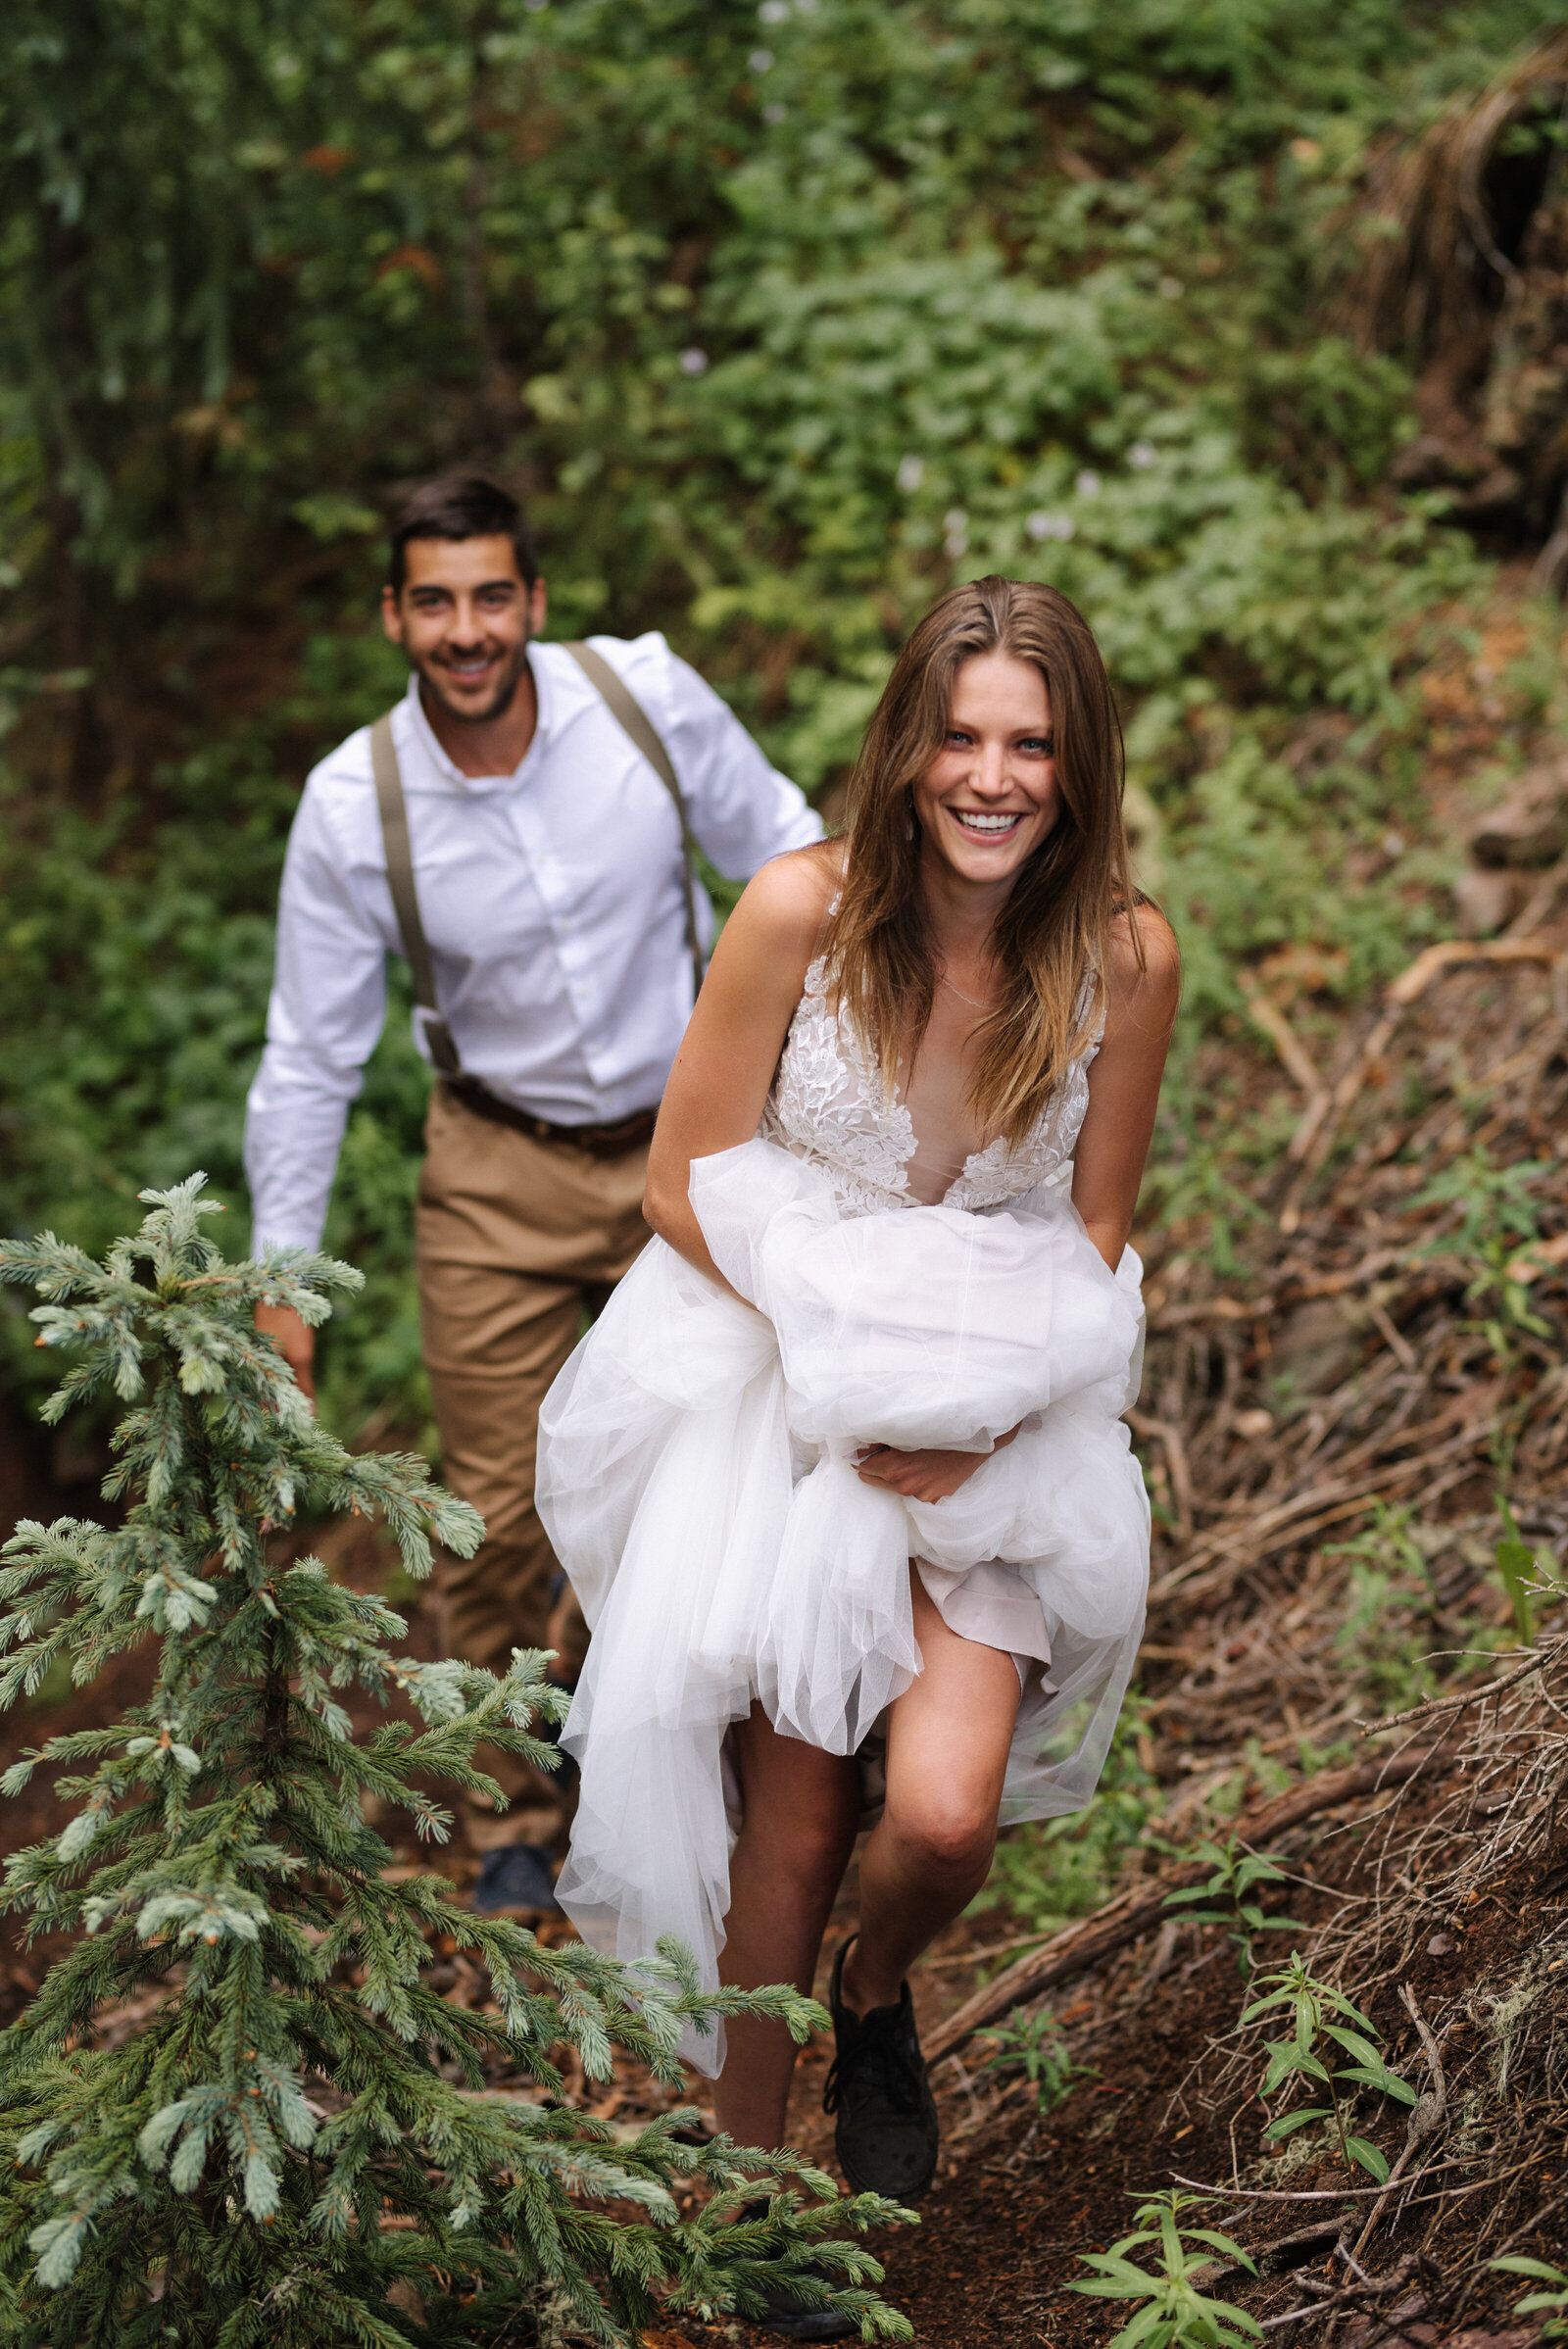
(550, 898)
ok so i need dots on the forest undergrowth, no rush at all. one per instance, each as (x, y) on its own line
(1346, 1754)
(779, 348)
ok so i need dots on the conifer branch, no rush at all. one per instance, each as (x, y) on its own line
(292, 2080)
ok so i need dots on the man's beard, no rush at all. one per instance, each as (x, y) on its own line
(505, 694)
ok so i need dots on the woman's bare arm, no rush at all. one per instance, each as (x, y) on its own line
(1124, 1080)
(725, 1065)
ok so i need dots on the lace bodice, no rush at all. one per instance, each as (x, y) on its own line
(828, 1105)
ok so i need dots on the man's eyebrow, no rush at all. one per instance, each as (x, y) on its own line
(486, 587)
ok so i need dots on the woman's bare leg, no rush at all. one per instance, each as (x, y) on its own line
(800, 1811)
(948, 1740)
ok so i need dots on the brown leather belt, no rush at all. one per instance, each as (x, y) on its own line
(600, 1142)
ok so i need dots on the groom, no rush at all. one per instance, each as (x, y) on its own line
(520, 828)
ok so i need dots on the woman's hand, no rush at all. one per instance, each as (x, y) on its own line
(929, 1475)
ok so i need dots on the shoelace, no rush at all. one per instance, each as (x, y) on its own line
(885, 2049)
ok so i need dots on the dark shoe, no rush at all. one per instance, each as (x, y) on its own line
(517, 1876)
(887, 2136)
(783, 2313)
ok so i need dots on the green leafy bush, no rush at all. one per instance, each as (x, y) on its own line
(1535, 2304)
(1035, 2045)
(1228, 1895)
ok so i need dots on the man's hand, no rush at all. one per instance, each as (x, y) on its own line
(297, 1341)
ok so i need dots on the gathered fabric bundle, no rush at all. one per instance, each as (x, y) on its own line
(697, 1475)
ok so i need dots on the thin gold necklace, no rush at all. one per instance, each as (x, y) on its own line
(972, 1001)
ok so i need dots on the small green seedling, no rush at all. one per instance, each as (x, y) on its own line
(1309, 2051)
(1387, 1543)
(1037, 2046)
(1533, 2303)
(1175, 2314)
(1236, 1872)
(1497, 1218)
(1522, 1570)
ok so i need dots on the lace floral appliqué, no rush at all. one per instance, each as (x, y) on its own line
(828, 1105)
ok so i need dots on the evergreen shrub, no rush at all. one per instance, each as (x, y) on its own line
(287, 2136)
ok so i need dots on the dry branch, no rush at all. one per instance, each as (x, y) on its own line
(1436, 1705)
(1312, 1512)
(1267, 1016)
(1319, 1128)
(1426, 2119)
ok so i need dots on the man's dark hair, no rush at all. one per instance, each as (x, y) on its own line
(464, 505)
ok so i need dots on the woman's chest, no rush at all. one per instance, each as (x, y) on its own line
(917, 1144)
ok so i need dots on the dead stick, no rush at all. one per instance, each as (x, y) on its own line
(1267, 1016)
(1536, 1663)
(1314, 1137)
(1426, 2119)
(1279, 1527)
(1303, 2194)
(1124, 1920)
(1169, 1438)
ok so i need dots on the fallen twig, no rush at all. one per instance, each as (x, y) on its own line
(1314, 1137)
(1301, 2193)
(1266, 1015)
(1435, 1705)
(1426, 2117)
(1280, 1526)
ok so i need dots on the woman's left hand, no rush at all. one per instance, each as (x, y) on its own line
(929, 1475)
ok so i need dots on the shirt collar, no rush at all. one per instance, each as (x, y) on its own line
(426, 736)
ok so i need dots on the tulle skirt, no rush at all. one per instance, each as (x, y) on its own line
(697, 1478)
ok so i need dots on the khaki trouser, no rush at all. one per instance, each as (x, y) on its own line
(517, 1242)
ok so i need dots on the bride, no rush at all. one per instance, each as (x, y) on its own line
(840, 1476)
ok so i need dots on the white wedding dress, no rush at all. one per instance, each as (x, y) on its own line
(697, 1475)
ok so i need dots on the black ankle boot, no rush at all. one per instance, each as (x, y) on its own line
(886, 2135)
(784, 2313)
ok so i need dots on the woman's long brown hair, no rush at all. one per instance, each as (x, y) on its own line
(1052, 938)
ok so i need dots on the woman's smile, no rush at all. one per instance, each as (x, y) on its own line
(985, 825)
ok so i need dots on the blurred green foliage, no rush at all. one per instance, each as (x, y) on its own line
(784, 317)
(1048, 1871)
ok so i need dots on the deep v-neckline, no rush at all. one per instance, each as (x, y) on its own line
(828, 1103)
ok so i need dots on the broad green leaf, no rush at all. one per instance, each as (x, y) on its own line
(1518, 2264)
(1289, 2122)
(1369, 2158)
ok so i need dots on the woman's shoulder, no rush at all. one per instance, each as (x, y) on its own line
(1145, 965)
(785, 907)
(770, 941)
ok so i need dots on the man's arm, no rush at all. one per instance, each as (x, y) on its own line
(741, 809)
(327, 1011)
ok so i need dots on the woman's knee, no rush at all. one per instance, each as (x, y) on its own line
(947, 1838)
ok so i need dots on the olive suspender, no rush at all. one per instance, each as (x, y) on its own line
(634, 722)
